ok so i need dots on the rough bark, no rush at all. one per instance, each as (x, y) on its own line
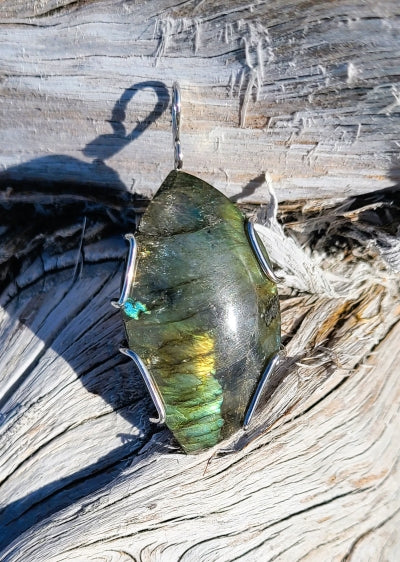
(294, 106)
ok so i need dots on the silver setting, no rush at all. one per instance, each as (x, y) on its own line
(265, 266)
(261, 385)
(151, 387)
(129, 272)
(176, 124)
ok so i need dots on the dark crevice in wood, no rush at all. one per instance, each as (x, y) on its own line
(49, 234)
(335, 229)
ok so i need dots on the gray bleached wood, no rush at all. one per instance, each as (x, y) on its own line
(83, 474)
(314, 85)
(321, 458)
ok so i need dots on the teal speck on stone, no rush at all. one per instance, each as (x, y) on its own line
(133, 309)
(214, 321)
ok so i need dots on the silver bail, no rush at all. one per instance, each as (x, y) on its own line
(176, 124)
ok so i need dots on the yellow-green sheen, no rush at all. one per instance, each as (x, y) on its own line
(204, 317)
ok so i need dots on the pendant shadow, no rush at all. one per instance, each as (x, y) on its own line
(250, 188)
(85, 204)
(80, 196)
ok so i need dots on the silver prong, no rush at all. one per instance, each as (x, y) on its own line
(256, 397)
(151, 387)
(265, 266)
(129, 272)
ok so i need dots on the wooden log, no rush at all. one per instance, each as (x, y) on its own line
(291, 104)
(308, 93)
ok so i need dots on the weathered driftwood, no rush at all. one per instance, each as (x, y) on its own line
(84, 475)
(313, 84)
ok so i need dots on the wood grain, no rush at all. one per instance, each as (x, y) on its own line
(307, 92)
(292, 105)
(327, 469)
(84, 470)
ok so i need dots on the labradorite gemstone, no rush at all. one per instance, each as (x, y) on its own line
(208, 320)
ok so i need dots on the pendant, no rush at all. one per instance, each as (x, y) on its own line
(200, 308)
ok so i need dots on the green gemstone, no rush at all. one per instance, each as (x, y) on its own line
(214, 319)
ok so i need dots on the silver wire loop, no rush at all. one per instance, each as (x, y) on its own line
(261, 385)
(129, 272)
(265, 266)
(176, 125)
(151, 387)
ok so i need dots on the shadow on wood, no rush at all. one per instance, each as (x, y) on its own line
(88, 211)
(81, 209)
(71, 249)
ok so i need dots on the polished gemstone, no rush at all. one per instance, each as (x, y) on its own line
(202, 315)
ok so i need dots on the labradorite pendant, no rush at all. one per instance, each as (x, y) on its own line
(200, 313)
